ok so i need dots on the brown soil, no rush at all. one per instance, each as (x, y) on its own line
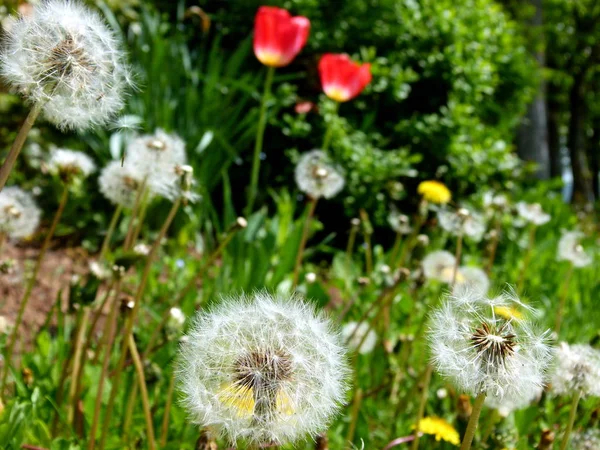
(58, 267)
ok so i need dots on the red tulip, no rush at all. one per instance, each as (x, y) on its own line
(278, 37)
(343, 79)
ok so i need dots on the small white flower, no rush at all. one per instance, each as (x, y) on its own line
(141, 249)
(533, 213)
(474, 277)
(317, 177)
(176, 317)
(570, 249)
(493, 200)
(262, 369)
(463, 222)
(99, 270)
(357, 335)
(400, 223)
(482, 352)
(5, 325)
(64, 58)
(119, 184)
(577, 369)
(439, 265)
(67, 163)
(19, 215)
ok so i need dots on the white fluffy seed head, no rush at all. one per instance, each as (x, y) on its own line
(262, 369)
(65, 58)
(473, 277)
(19, 214)
(533, 213)
(439, 265)
(157, 158)
(577, 369)
(570, 249)
(70, 163)
(482, 352)
(471, 224)
(586, 440)
(317, 176)
(120, 184)
(400, 223)
(354, 336)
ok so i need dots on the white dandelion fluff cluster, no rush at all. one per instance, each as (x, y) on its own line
(483, 353)
(577, 370)
(570, 249)
(69, 163)
(317, 177)
(462, 221)
(473, 277)
(64, 58)
(119, 184)
(262, 369)
(400, 223)
(586, 440)
(532, 213)
(19, 214)
(439, 265)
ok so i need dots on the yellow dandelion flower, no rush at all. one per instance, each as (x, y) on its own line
(508, 313)
(439, 428)
(434, 192)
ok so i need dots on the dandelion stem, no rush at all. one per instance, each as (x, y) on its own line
(367, 232)
(109, 332)
(131, 320)
(165, 422)
(312, 204)
(572, 414)
(457, 257)
(526, 258)
(351, 241)
(137, 362)
(110, 231)
(494, 243)
(409, 244)
(17, 146)
(564, 292)
(134, 213)
(30, 284)
(473, 421)
(422, 404)
(77, 364)
(141, 216)
(395, 249)
(260, 132)
(329, 130)
(354, 415)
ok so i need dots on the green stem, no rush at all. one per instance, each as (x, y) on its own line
(473, 421)
(77, 364)
(139, 369)
(110, 231)
(457, 256)
(572, 414)
(165, 422)
(260, 132)
(17, 146)
(563, 300)
(422, 404)
(329, 130)
(30, 284)
(312, 204)
(131, 320)
(354, 417)
(141, 216)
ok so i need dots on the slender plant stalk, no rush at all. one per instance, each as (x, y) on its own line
(139, 368)
(473, 421)
(395, 250)
(351, 241)
(77, 364)
(312, 204)
(17, 146)
(97, 314)
(526, 259)
(354, 415)
(329, 130)
(131, 320)
(564, 293)
(134, 214)
(494, 243)
(109, 331)
(422, 404)
(258, 144)
(572, 414)
(30, 284)
(2, 240)
(165, 423)
(141, 216)
(457, 256)
(110, 231)
(367, 232)
(410, 243)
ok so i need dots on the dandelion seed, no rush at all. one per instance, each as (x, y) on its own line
(485, 354)
(439, 265)
(532, 213)
(262, 369)
(317, 177)
(439, 428)
(19, 215)
(357, 335)
(570, 249)
(577, 370)
(70, 164)
(66, 59)
(434, 192)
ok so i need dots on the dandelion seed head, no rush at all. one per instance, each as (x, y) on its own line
(570, 249)
(262, 369)
(482, 352)
(317, 177)
(474, 277)
(400, 223)
(586, 440)
(439, 265)
(467, 223)
(65, 58)
(533, 213)
(120, 184)
(19, 214)
(70, 163)
(577, 369)
(363, 334)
